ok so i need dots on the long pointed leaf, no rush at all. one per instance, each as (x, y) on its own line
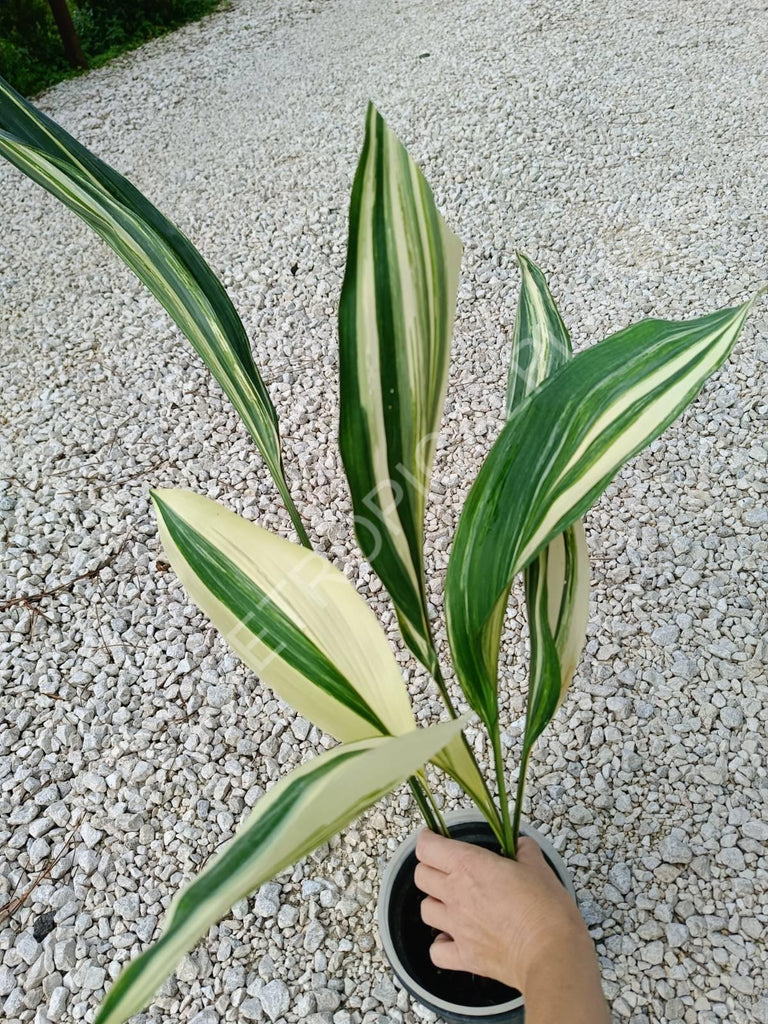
(302, 811)
(395, 323)
(558, 451)
(568, 583)
(289, 614)
(160, 256)
(544, 675)
(541, 344)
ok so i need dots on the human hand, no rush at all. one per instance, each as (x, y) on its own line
(497, 917)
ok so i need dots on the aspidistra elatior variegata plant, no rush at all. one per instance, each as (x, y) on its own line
(572, 423)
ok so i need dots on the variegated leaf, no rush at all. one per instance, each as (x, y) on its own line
(289, 614)
(540, 345)
(560, 448)
(302, 811)
(395, 323)
(160, 256)
(540, 342)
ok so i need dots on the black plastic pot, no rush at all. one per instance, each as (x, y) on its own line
(453, 995)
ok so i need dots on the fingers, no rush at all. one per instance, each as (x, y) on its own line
(431, 881)
(529, 851)
(434, 913)
(435, 850)
(446, 855)
(445, 953)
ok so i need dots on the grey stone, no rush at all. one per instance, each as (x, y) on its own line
(653, 953)
(287, 916)
(91, 836)
(677, 935)
(64, 955)
(674, 851)
(732, 718)
(275, 999)
(234, 978)
(620, 876)
(57, 1003)
(251, 1009)
(665, 636)
(327, 1000)
(732, 857)
(267, 902)
(29, 948)
(206, 1016)
(385, 991)
(592, 912)
(756, 829)
(7, 980)
(305, 1004)
(580, 815)
(314, 936)
(94, 978)
(128, 907)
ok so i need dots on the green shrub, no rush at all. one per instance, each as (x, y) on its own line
(31, 53)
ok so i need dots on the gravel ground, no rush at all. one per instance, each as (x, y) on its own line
(618, 145)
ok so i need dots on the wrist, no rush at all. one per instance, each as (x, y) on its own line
(567, 950)
(563, 982)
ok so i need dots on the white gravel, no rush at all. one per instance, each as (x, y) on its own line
(622, 146)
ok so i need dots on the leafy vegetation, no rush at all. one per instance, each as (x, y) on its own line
(32, 56)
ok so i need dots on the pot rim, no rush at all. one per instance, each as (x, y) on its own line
(387, 879)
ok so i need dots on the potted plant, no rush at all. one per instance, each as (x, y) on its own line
(572, 422)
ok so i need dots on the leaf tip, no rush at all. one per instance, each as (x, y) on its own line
(372, 115)
(159, 497)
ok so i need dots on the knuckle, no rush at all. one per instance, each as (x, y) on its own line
(463, 863)
(421, 844)
(427, 910)
(436, 954)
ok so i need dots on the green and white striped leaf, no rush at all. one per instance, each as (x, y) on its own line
(302, 811)
(160, 256)
(544, 669)
(395, 323)
(396, 317)
(290, 615)
(567, 570)
(558, 451)
(541, 344)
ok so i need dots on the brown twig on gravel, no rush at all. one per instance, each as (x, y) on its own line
(30, 601)
(14, 904)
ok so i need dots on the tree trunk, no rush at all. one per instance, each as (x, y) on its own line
(72, 48)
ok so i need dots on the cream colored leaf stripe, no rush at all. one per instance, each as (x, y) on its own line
(158, 253)
(299, 813)
(395, 322)
(541, 344)
(558, 451)
(254, 609)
